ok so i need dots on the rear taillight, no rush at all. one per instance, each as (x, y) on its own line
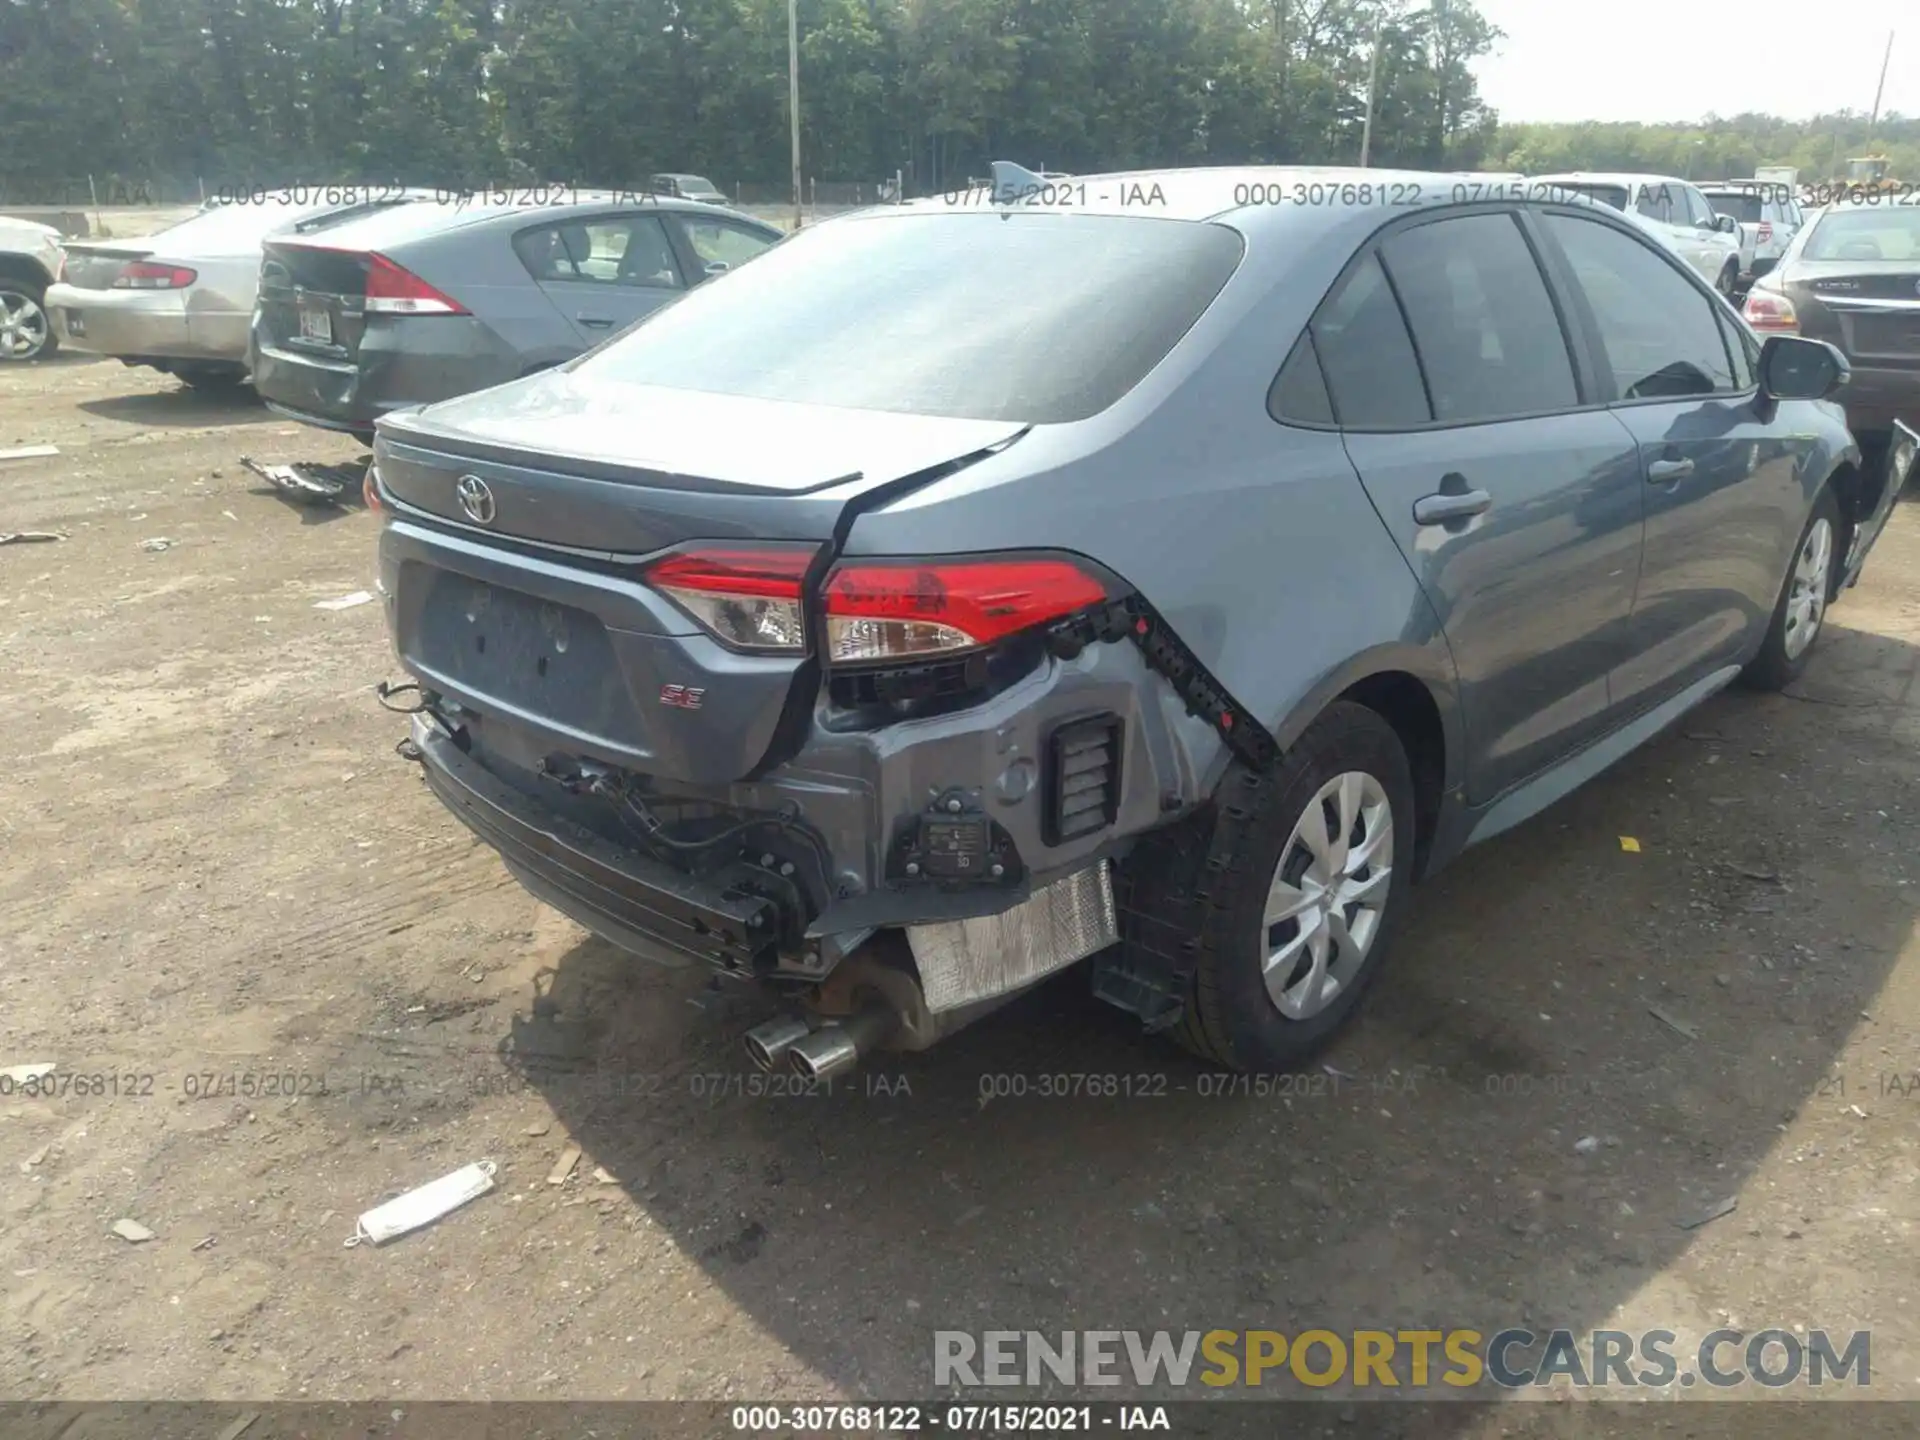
(393, 290)
(749, 599)
(370, 489)
(145, 275)
(906, 609)
(1765, 234)
(1772, 312)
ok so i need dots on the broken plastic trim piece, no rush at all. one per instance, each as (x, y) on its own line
(1167, 655)
(416, 1208)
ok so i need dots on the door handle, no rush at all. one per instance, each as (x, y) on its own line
(1446, 508)
(598, 322)
(1661, 471)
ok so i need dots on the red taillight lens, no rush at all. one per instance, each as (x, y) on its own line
(892, 609)
(749, 599)
(370, 489)
(392, 290)
(144, 275)
(1770, 311)
(1765, 233)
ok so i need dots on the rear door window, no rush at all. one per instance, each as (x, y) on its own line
(1299, 392)
(1371, 370)
(1656, 202)
(722, 244)
(1659, 331)
(614, 250)
(1483, 324)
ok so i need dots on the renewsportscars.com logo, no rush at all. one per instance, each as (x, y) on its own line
(1401, 1360)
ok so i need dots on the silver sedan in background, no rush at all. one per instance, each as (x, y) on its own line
(181, 300)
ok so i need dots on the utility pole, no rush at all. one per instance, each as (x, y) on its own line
(1874, 120)
(793, 98)
(1373, 76)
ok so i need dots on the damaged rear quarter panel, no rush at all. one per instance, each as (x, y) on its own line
(1255, 541)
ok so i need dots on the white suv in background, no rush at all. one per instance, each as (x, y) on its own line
(1767, 214)
(1672, 209)
(30, 258)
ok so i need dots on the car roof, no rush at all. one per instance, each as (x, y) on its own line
(1612, 177)
(1242, 191)
(446, 213)
(682, 175)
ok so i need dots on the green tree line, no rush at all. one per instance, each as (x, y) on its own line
(175, 94)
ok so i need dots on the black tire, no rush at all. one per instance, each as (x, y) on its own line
(1729, 280)
(1774, 668)
(12, 286)
(1230, 1018)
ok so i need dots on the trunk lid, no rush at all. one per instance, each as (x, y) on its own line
(312, 298)
(626, 469)
(533, 612)
(93, 267)
(1871, 310)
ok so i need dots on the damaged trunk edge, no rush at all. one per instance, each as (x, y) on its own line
(842, 865)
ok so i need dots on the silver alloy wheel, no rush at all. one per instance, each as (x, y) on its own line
(23, 325)
(1329, 895)
(1807, 601)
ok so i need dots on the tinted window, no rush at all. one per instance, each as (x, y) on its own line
(1484, 326)
(1871, 232)
(1362, 342)
(1698, 211)
(724, 242)
(1742, 206)
(1656, 202)
(1300, 390)
(1032, 317)
(1612, 195)
(622, 250)
(1660, 333)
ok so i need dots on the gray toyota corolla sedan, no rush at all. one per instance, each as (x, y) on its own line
(1161, 570)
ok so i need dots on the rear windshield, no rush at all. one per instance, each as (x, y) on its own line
(987, 316)
(1742, 207)
(1866, 232)
(1614, 195)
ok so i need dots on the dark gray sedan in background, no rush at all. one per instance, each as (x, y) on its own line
(1169, 569)
(434, 300)
(1852, 277)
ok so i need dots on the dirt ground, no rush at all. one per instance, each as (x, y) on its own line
(214, 872)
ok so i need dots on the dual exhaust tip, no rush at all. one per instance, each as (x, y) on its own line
(835, 1047)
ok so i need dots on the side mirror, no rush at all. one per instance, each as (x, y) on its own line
(1727, 224)
(717, 267)
(1793, 367)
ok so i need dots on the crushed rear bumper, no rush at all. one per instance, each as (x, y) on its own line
(626, 898)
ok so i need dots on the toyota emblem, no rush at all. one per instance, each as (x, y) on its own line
(475, 498)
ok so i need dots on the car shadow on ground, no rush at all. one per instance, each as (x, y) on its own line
(1509, 1135)
(183, 406)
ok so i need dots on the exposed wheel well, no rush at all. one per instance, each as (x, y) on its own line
(1408, 706)
(1857, 496)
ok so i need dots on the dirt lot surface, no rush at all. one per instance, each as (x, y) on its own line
(217, 880)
